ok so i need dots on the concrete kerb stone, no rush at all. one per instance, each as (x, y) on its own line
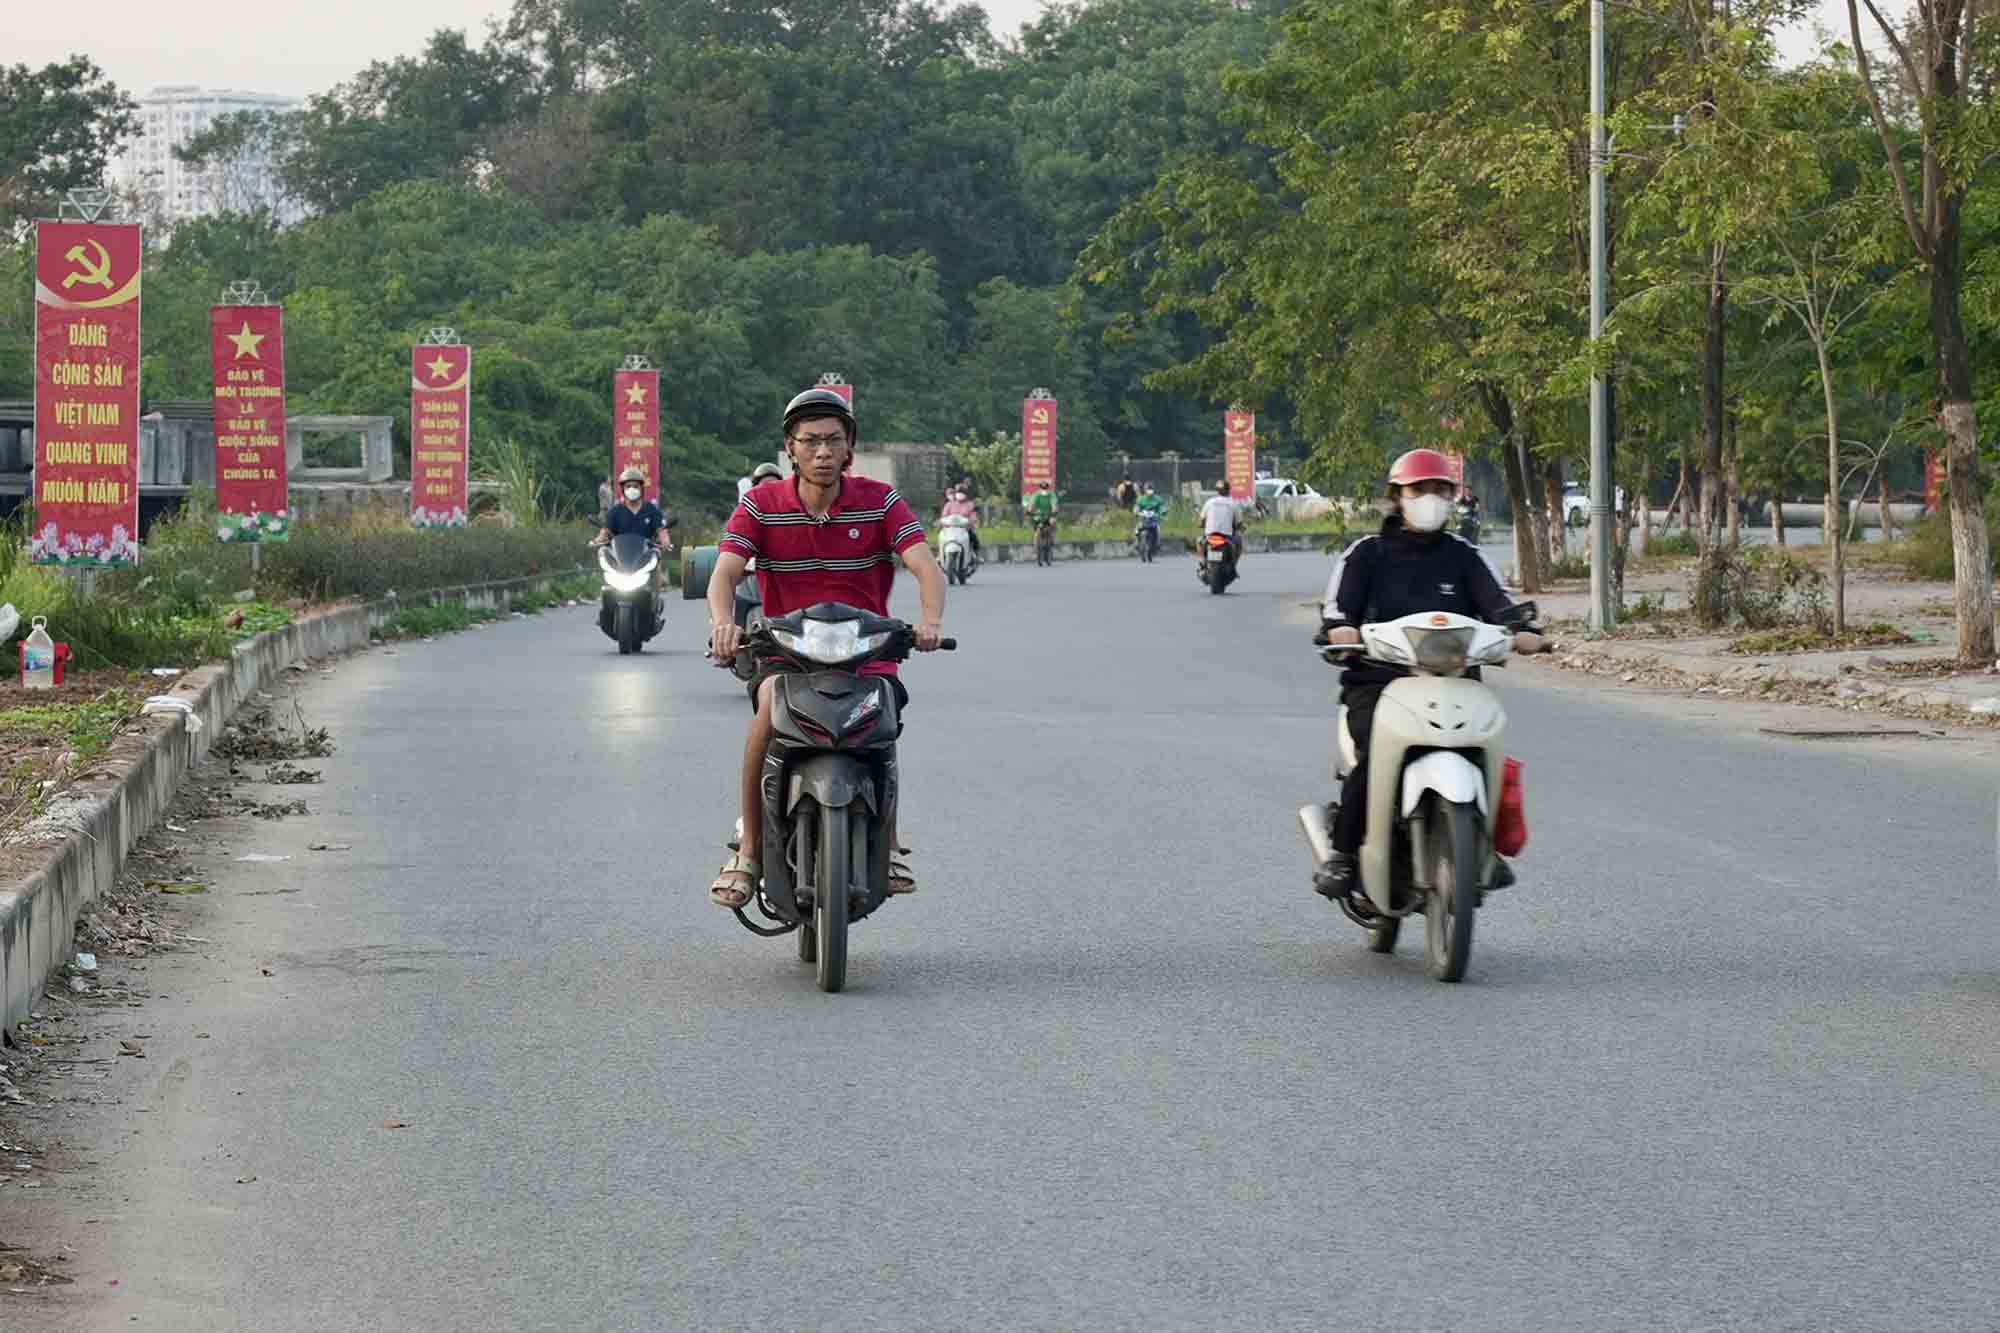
(39, 910)
(1705, 666)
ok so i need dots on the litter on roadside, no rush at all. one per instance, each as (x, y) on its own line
(167, 703)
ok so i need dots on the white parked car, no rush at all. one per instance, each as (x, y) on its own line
(1283, 497)
(1576, 504)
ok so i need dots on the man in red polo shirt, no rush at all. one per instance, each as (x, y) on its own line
(821, 535)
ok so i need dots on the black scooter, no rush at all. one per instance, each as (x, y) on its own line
(1468, 522)
(829, 781)
(629, 609)
(1215, 562)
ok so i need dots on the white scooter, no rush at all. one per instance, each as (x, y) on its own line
(1435, 764)
(955, 551)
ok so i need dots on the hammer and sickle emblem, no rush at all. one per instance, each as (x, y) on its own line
(93, 275)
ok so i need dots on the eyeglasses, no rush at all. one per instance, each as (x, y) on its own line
(827, 442)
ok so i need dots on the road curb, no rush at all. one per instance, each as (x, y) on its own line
(1775, 682)
(39, 910)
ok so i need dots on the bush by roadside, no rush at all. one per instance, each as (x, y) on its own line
(1925, 551)
(185, 603)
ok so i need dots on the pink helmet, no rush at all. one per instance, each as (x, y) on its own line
(1421, 465)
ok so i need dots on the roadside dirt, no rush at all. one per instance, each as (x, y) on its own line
(77, 1075)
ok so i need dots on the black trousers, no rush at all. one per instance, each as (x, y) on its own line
(1352, 824)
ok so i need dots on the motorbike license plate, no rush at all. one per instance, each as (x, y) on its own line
(1214, 554)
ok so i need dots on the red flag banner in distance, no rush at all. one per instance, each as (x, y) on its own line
(440, 435)
(1038, 443)
(1239, 453)
(247, 351)
(635, 425)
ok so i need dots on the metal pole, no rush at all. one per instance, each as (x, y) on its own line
(1602, 614)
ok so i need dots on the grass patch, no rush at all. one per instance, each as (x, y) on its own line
(1673, 546)
(1569, 567)
(42, 744)
(176, 607)
(444, 618)
(258, 618)
(1810, 638)
(1923, 551)
(108, 630)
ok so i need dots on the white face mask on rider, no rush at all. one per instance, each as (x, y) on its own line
(634, 492)
(1426, 513)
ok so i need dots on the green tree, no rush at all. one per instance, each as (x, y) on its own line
(1951, 69)
(58, 127)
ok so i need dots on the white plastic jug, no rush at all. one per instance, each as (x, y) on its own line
(38, 656)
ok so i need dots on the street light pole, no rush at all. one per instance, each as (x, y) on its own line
(1603, 615)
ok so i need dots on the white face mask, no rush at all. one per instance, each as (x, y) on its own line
(634, 492)
(1426, 513)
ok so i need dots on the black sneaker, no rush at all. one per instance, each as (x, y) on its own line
(1334, 881)
(1503, 874)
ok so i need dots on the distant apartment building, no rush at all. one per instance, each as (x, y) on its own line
(171, 191)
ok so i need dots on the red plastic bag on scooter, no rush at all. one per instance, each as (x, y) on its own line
(1510, 824)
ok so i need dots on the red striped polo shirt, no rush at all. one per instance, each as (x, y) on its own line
(846, 555)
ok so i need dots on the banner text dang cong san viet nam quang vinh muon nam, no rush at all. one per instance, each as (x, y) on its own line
(86, 463)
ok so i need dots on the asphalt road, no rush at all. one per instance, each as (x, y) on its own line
(1729, 1056)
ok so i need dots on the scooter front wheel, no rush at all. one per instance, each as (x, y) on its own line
(1452, 829)
(831, 881)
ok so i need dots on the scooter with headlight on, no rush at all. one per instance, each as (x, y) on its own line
(1434, 781)
(829, 780)
(629, 610)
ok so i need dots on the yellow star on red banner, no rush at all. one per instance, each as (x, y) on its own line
(635, 393)
(247, 343)
(441, 368)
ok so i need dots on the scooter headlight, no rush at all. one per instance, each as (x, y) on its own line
(830, 641)
(1441, 652)
(622, 581)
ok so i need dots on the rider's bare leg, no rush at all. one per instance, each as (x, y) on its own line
(754, 749)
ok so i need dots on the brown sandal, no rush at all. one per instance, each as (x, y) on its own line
(737, 881)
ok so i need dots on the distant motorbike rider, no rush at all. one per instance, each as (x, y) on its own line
(1041, 504)
(823, 535)
(636, 514)
(1149, 503)
(1412, 565)
(958, 504)
(1219, 515)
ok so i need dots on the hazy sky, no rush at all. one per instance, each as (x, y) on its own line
(266, 46)
(300, 46)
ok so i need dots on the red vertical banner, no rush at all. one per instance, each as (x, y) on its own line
(635, 425)
(1934, 481)
(86, 394)
(1239, 454)
(841, 387)
(1457, 462)
(246, 347)
(440, 435)
(1038, 443)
